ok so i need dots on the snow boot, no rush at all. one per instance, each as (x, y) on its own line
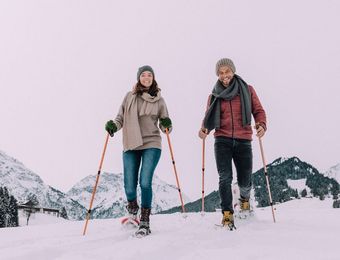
(132, 208)
(144, 225)
(244, 209)
(131, 221)
(228, 220)
(244, 204)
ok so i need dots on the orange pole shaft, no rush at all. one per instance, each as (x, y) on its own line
(96, 184)
(174, 165)
(267, 180)
(203, 171)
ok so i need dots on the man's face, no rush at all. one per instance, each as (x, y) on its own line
(225, 75)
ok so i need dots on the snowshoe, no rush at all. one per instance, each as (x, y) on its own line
(130, 222)
(243, 209)
(227, 221)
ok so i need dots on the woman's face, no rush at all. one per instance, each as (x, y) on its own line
(146, 78)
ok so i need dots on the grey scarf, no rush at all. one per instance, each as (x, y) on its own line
(237, 86)
(132, 137)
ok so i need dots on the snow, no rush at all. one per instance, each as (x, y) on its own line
(297, 234)
(40, 219)
(280, 161)
(298, 185)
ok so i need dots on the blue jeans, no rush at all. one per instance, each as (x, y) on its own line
(132, 161)
(239, 151)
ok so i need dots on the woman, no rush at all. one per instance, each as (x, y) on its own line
(138, 115)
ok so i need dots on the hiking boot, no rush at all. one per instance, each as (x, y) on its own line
(144, 225)
(244, 204)
(132, 208)
(228, 220)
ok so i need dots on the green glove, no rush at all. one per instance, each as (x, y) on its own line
(110, 127)
(165, 122)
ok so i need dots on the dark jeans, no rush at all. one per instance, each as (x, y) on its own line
(239, 151)
(132, 161)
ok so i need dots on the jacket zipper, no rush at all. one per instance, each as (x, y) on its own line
(232, 120)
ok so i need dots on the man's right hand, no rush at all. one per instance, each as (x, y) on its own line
(110, 127)
(203, 133)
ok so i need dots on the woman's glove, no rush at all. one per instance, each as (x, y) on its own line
(110, 127)
(165, 122)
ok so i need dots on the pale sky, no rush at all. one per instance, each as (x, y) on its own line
(65, 67)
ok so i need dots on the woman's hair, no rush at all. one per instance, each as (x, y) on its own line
(153, 90)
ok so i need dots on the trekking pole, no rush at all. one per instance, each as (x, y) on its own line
(203, 171)
(267, 180)
(95, 186)
(173, 163)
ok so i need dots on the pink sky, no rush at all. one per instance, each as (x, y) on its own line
(65, 67)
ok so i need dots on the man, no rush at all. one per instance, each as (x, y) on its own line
(229, 110)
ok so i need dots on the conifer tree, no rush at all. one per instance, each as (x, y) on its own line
(63, 213)
(8, 209)
(6, 206)
(13, 212)
(32, 198)
(2, 209)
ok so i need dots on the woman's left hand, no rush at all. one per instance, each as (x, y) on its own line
(165, 122)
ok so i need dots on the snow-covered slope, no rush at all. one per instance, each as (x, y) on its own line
(334, 172)
(40, 219)
(294, 236)
(110, 197)
(21, 182)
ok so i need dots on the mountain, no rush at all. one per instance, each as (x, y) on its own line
(292, 178)
(334, 172)
(22, 183)
(289, 178)
(211, 202)
(110, 199)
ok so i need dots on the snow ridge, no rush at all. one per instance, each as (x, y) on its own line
(110, 199)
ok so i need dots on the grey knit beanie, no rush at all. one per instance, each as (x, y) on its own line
(144, 68)
(225, 62)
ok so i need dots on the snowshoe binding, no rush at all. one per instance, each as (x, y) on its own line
(143, 230)
(243, 209)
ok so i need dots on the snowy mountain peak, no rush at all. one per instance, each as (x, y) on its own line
(110, 197)
(21, 182)
(280, 160)
(18, 179)
(334, 172)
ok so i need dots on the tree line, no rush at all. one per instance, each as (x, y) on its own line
(8, 209)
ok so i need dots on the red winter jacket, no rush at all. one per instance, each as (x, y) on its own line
(231, 117)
